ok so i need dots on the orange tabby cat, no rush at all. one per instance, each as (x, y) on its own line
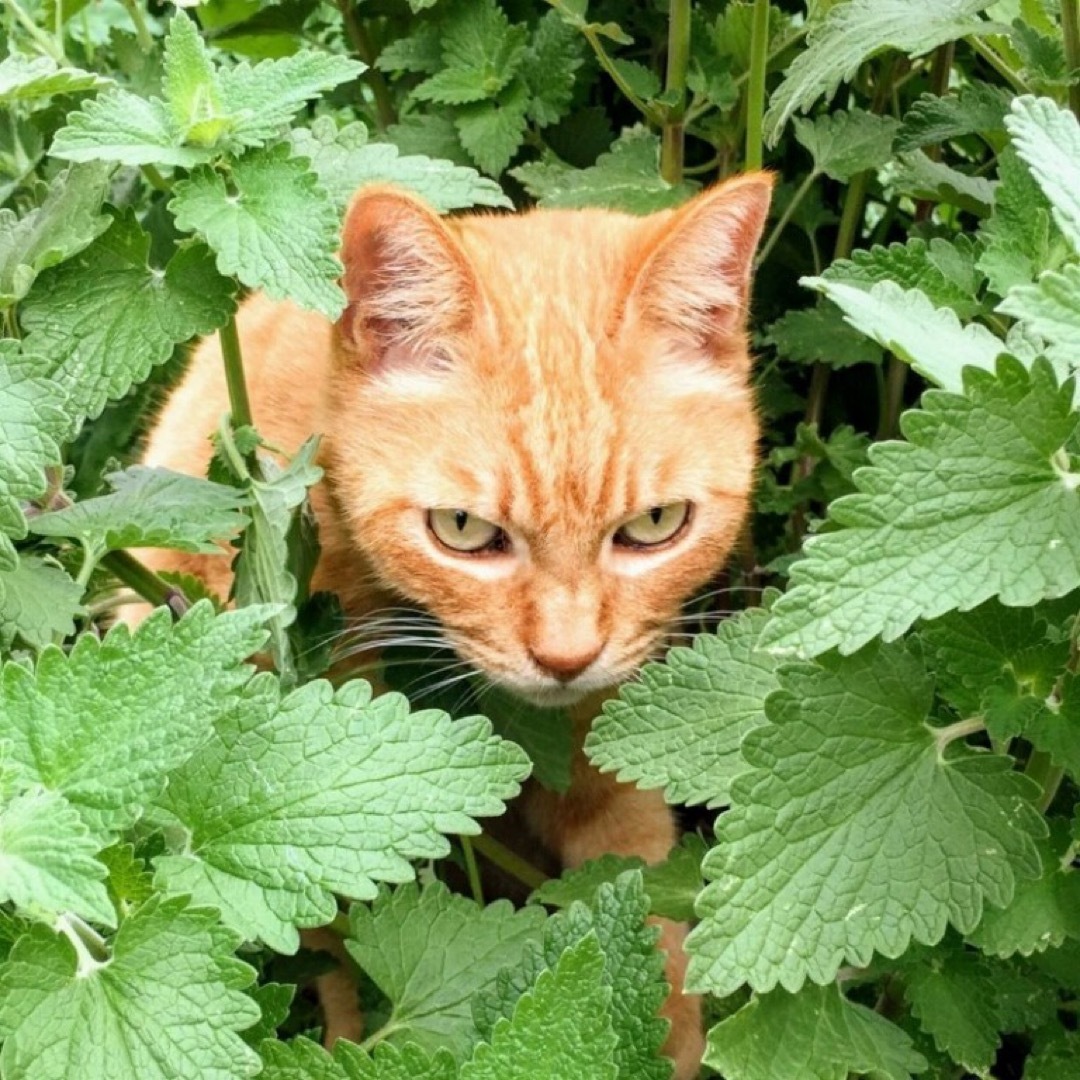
(538, 428)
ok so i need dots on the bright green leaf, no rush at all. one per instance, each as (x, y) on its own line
(843, 144)
(38, 601)
(302, 1059)
(1051, 309)
(492, 131)
(30, 78)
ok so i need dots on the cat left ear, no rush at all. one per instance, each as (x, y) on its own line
(695, 276)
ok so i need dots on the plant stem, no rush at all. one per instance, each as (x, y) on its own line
(755, 88)
(154, 178)
(1070, 28)
(153, 589)
(673, 132)
(892, 399)
(472, 869)
(239, 404)
(961, 729)
(508, 861)
(90, 947)
(851, 216)
(362, 45)
(40, 38)
(999, 65)
(782, 221)
(1046, 774)
(605, 62)
(142, 31)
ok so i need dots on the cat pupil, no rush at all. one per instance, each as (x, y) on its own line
(656, 513)
(461, 518)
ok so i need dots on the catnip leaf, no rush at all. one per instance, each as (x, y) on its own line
(982, 501)
(103, 724)
(108, 317)
(550, 67)
(430, 951)
(38, 601)
(274, 1001)
(366, 787)
(847, 142)
(273, 227)
(31, 78)
(190, 85)
(150, 508)
(47, 859)
(680, 724)
(344, 161)
(821, 334)
(66, 222)
(1055, 728)
(130, 884)
(920, 177)
(34, 423)
(854, 831)
(816, 1034)
(633, 969)
(301, 1059)
(853, 32)
(492, 131)
(166, 1005)
(1051, 309)
(560, 1027)
(977, 108)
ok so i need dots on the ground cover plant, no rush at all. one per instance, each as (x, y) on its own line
(876, 732)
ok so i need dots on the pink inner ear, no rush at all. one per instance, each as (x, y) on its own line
(408, 358)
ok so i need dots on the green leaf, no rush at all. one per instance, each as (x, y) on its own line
(47, 862)
(942, 269)
(561, 1027)
(843, 144)
(302, 1059)
(344, 160)
(977, 108)
(272, 226)
(104, 723)
(31, 78)
(627, 177)
(34, 424)
(680, 725)
(919, 176)
(982, 501)
(853, 831)
(108, 317)
(190, 84)
(821, 335)
(66, 222)
(130, 884)
(274, 1001)
(1055, 728)
(38, 601)
(1047, 138)
(857, 30)
(550, 67)
(150, 508)
(430, 951)
(492, 131)
(1051, 309)
(546, 735)
(166, 1006)
(420, 51)
(816, 1034)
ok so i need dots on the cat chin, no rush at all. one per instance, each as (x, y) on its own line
(557, 697)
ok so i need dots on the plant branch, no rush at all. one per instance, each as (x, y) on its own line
(138, 576)
(606, 63)
(755, 89)
(364, 47)
(90, 947)
(1070, 28)
(142, 31)
(998, 64)
(472, 869)
(508, 861)
(239, 403)
(783, 220)
(960, 730)
(673, 131)
(39, 37)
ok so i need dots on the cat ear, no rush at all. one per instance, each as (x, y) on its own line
(408, 284)
(695, 273)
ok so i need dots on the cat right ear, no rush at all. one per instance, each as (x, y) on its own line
(409, 287)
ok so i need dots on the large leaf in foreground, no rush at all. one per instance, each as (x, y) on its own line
(364, 787)
(104, 723)
(984, 500)
(166, 1006)
(854, 831)
(301, 1059)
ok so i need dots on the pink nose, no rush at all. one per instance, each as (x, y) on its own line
(565, 665)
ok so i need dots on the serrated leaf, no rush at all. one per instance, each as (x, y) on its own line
(104, 723)
(167, 1005)
(1051, 309)
(918, 175)
(150, 508)
(302, 1059)
(546, 735)
(30, 78)
(816, 1034)
(107, 317)
(982, 501)
(130, 884)
(1055, 728)
(273, 227)
(344, 160)
(492, 131)
(560, 1027)
(977, 108)
(190, 85)
(550, 68)
(274, 1001)
(821, 335)
(853, 32)
(38, 601)
(34, 423)
(47, 862)
(627, 177)
(430, 951)
(853, 831)
(679, 727)
(66, 222)
(1047, 138)
(420, 51)
(845, 143)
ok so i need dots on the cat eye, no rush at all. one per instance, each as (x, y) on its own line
(461, 531)
(656, 526)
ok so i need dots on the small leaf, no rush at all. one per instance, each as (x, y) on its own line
(492, 131)
(1051, 309)
(977, 108)
(38, 601)
(31, 78)
(843, 144)
(919, 176)
(821, 335)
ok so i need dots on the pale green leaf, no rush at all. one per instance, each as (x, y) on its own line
(430, 951)
(816, 1034)
(190, 85)
(843, 144)
(276, 229)
(367, 787)
(1051, 309)
(680, 725)
(853, 832)
(982, 501)
(857, 30)
(38, 601)
(302, 1059)
(166, 1006)
(31, 78)
(977, 108)
(104, 723)
(492, 131)
(919, 176)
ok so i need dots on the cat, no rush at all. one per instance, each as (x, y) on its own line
(539, 429)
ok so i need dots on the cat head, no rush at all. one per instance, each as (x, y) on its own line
(541, 428)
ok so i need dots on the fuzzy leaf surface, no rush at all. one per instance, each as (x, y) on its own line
(1051, 308)
(852, 832)
(982, 501)
(366, 787)
(30, 78)
(844, 143)
(821, 334)
(679, 727)
(492, 131)
(976, 108)
(302, 1059)
(38, 600)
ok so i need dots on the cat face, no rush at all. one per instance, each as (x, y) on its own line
(540, 426)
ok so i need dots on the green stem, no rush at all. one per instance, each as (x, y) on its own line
(90, 947)
(153, 589)
(755, 89)
(1070, 28)
(90, 560)
(154, 178)
(960, 730)
(40, 38)
(999, 65)
(605, 62)
(472, 870)
(239, 403)
(782, 221)
(508, 861)
(892, 399)
(142, 31)
(851, 216)
(364, 47)
(673, 132)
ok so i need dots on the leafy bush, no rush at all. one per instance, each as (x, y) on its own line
(893, 742)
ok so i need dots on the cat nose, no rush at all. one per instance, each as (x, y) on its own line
(565, 664)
